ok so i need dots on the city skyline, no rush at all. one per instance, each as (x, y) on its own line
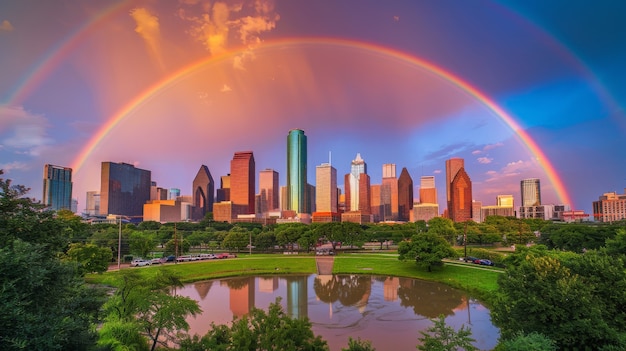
(512, 87)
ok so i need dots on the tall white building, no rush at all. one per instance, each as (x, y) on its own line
(326, 188)
(358, 168)
(531, 192)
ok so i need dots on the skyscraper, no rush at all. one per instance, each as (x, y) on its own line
(203, 193)
(428, 192)
(93, 203)
(405, 195)
(531, 192)
(223, 193)
(453, 165)
(242, 182)
(389, 193)
(297, 172)
(57, 187)
(357, 184)
(124, 189)
(460, 205)
(268, 191)
(326, 188)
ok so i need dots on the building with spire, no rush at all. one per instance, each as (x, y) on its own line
(203, 193)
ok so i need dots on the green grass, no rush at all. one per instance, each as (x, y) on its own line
(476, 280)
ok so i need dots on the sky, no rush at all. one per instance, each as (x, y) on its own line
(518, 89)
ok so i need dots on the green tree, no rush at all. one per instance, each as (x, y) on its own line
(527, 342)
(441, 337)
(443, 227)
(143, 308)
(142, 243)
(237, 239)
(359, 345)
(617, 245)
(273, 330)
(90, 258)
(426, 249)
(289, 233)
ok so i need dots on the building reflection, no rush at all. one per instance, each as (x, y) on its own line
(297, 298)
(268, 284)
(390, 288)
(203, 288)
(349, 290)
(241, 295)
(429, 299)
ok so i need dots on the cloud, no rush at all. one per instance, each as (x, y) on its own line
(485, 160)
(15, 165)
(437, 171)
(226, 89)
(492, 146)
(221, 26)
(6, 26)
(147, 26)
(22, 131)
(476, 152)
(396, 18)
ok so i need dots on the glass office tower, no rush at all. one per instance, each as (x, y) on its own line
(531, 192)
(57, 187)
(124, 189)
(297, 172)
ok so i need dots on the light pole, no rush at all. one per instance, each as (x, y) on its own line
(465, 239)
(119, 244)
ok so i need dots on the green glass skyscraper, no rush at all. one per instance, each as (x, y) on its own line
(296, 172)
(57, 187)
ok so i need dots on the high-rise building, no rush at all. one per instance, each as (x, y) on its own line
(504, 201)
(326, 188)
(531, 192)
(242, 182)
(375, 203)
(124, 189)
(57, 187)
(428, 192)
(453, 165)
(355, 183)
(405, 195)
(610, 207)
(173, 194)
(297, 172)
(268, 191)
(203, 193)
(389, 193)
(460, 204)
(223, 193)
(92, 207)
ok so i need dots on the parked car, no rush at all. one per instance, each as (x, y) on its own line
(139, 263)
(485, 262)
(207, 256)
(470, 259)
(157, 260)
(184, 258)
(170, 258)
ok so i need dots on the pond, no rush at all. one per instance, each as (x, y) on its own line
(388, 311)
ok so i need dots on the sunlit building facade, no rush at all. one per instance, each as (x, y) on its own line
(460, 204)
(297, 199)
(531, 192)
(242, 182)
(428, 192)
(124, 189)
(57, 187)
(405, 195)
(326, 188)
(357, 186)
(389, 193)
(203, 193)
(268, 191)
(610, 207)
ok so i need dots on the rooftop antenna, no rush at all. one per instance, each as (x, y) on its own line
(329, 158)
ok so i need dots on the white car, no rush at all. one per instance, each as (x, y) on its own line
(139, 263)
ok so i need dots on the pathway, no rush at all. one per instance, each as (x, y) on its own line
(324, 264)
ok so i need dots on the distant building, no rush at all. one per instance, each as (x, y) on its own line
(268, 192)
(203, 193)
(164, 211)
(242, 181)
(610, 207)
(424, 212)
(476, 211)
(357, 184)
(326, 188)
(223, 193)
(57, 187)
(405, 195)
(297, 172)
(173, 194)
(124, 189)
(505, 201)
(531, 192)
(356, 217)
(460, 192)
(504, 207)
(375, 203)
(428, 192)
(157, 193)
(92, 207)
(389, 193)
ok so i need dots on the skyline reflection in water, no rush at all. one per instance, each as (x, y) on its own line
(388, 311)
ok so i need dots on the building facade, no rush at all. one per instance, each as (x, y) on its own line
(124, 189)
(297, 199)
(460, 205)
(389, 193)
(355, 184)
(428, 191)
(268, 191)
(326, 188)
(92, 207)
(203, 193)
(610, 207)
(57, 187)
(242, 182)
(531, 192)
(405, 195)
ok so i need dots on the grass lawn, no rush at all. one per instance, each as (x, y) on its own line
(477, 280)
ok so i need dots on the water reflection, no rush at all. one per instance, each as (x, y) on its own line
(389, 311)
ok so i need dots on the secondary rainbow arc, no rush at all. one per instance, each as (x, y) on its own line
(162, 84)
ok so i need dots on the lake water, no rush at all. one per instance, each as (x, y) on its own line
(388, 311)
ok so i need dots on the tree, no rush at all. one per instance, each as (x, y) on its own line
(576, 300)
(142, 243)
(426, 249)
(359, 345)
(237, 239)
(617, 245)
(441, 337)
(89, 257)
(143, 308)
(273, 330)
(527, 342)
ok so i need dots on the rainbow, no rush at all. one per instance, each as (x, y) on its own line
(55, 55)
(163, 84)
